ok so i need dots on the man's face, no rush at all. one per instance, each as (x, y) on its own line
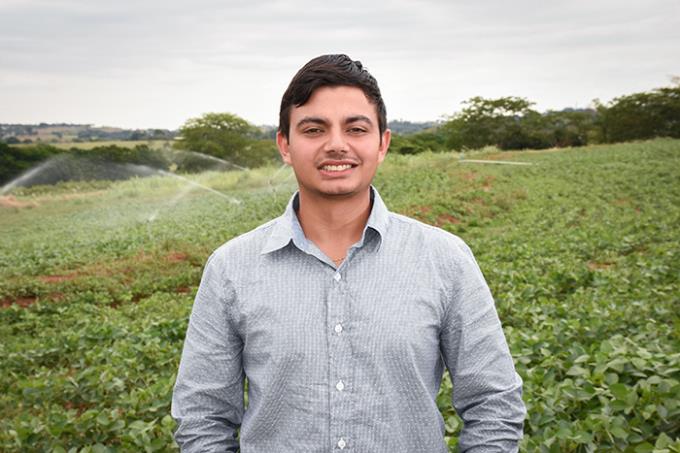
(334, 143)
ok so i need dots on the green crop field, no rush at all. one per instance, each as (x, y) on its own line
(581, 250)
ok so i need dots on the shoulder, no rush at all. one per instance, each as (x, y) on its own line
(241, 252)
(440, 244)
(441, 254)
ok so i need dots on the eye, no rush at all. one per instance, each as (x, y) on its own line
(357, 130)
(312, 131)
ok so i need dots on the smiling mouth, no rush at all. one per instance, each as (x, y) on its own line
(336, 167)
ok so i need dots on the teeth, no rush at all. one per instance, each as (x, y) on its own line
(336, 167)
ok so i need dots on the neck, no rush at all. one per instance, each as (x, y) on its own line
(334, 223)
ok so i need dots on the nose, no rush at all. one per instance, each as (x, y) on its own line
(336, 142)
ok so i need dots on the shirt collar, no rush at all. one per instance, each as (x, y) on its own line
(287, 227)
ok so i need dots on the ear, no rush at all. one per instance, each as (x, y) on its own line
(385, 145)
(283, 145)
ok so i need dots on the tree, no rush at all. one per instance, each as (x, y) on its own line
(425, 140)
(641, 116)
(511, 123)
(486, 122)
(570, 127)
(16, 160)
(223, 135)
(137, 135)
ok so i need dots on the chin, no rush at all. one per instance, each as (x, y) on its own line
(338, 190)
(352, 192)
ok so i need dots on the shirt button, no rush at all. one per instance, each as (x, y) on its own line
(338, 328)
(337, 276)
(341, 443)
(340, 386)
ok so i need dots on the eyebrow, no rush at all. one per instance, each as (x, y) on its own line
(325, 122)
(313, 120)
(357, 118)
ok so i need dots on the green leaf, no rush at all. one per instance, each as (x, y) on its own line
(663, 441)
(617, 365)
(619, 432)
(611, 378)
(103, 419)
(138, 425)
(620, 391)
(640, 364)
(117, 425)
(581, 359)
(577, 371)
(606, 347)
(644, 447)
(654, 380)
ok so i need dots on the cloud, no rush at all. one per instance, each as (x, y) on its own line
(237, 56)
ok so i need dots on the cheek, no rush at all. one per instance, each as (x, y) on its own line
(302, 159)
(367, 145)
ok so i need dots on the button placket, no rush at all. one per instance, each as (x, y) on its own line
(341, 359)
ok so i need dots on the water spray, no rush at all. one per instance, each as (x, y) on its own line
(28, 175)
(217, 159)
(195, 184)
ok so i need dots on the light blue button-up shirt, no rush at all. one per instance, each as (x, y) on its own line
(349, 358)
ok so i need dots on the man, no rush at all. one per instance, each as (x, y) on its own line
(341, 314)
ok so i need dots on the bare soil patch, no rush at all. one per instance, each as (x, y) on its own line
(57, 278)
(20, 301)
(594, 265)
(10, 201)
(79, 407)
(444, 219)
(70, 196)
(176, 257)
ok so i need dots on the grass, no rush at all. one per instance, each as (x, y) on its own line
(580, 250)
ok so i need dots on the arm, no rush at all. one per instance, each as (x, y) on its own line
(207, 401)
(487, 392)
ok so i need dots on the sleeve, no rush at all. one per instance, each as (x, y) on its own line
(207, 400)
(487, 391)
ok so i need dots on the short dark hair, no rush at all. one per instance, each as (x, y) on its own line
(330, 70)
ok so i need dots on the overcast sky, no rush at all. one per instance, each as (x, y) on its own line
(140, 64)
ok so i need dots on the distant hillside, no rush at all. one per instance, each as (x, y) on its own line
(63, 132)
(402, 127)
(399, 127)
(56, 133)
